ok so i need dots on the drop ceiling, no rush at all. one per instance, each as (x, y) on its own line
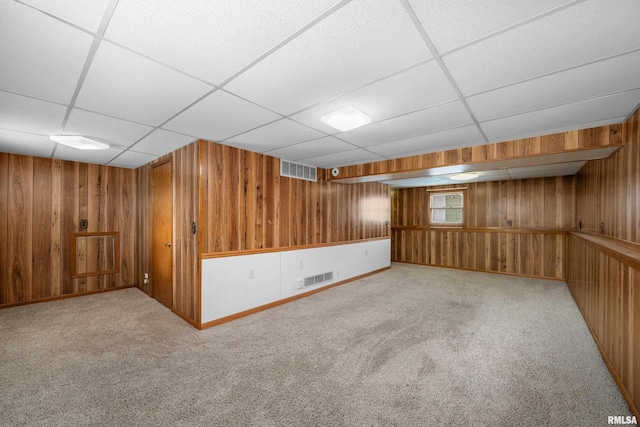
(150, 76)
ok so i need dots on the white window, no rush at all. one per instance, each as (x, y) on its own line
(446, 208)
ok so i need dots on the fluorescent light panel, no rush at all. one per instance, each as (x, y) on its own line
(346, 118)
(80, 142)
(464, 176)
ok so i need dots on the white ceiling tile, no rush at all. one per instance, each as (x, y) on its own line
(340, 54)
(594, 80)
(344, 158)
(39, 56)
(547, 121)
(25, 143)
(116, 132)
(450, 115)
(438, 141)
(30, 115)
(417, 88)
(220, 116)
(161, 142)
(132, 160)
(100, 157)
(452, 23)
(211, 40)
(573, 36)
(317, 147)
(274, 135)
(86, 14)
(125, 85)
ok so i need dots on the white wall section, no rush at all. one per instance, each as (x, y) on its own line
(234, 284)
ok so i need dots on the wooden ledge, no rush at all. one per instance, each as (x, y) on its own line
(484, 229)
(623, 251)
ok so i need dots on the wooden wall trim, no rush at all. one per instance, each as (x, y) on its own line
(570, 141)
(605, 289)
(620, 250)
(59, 297)
(607, 361)
(284, 301)
(287, 248)
(484, 230)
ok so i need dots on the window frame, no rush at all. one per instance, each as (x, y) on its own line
(434, 192)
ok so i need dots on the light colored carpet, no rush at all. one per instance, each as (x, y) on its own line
(413, 345)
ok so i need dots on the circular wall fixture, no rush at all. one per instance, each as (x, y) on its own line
(335, 171)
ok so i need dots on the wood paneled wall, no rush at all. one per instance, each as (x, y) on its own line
(540, 145)
(247, 205)
(540, 203)
(41, 204)
(606, 286)
(607, 291)
(186, 268)
(526, 253)
(541, 210)
(608, 190)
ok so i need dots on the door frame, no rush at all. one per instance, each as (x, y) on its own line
(151, 247)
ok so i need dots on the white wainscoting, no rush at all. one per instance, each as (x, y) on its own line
(235, 284)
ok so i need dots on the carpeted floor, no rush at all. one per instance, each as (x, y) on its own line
(412, 346)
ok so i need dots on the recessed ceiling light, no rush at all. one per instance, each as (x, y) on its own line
(464, 176)
(80, 142)
(346, 118)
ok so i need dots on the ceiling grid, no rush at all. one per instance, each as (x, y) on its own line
(150, 76)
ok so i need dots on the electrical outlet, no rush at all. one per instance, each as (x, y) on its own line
(146, 278)
(301, 265)
(252, 273)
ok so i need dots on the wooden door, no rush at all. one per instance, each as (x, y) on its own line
(162, 234)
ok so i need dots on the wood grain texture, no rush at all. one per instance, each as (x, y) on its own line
(4, 230)
(540, 145)
(603, 275)
(540, 203)
(44, 202)
(187, 257)
(186, 202)
(246, 205)
(540, 211)
(607, 291)
(608, 190)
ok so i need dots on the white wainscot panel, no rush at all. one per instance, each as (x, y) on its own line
(300, 264)
(234, 284)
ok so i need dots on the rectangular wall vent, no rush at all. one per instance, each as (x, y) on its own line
(297, 170)
(318, 278)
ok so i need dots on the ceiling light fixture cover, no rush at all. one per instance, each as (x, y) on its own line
(80, 142)
(464, 176)
(346, 118)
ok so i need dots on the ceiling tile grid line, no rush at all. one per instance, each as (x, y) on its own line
(432, 48)
(284, 42)
(513, 26)
(433, 75)
(549, 107)
(55, 17)
(89, 60)
(555, 72)
(371, 83)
